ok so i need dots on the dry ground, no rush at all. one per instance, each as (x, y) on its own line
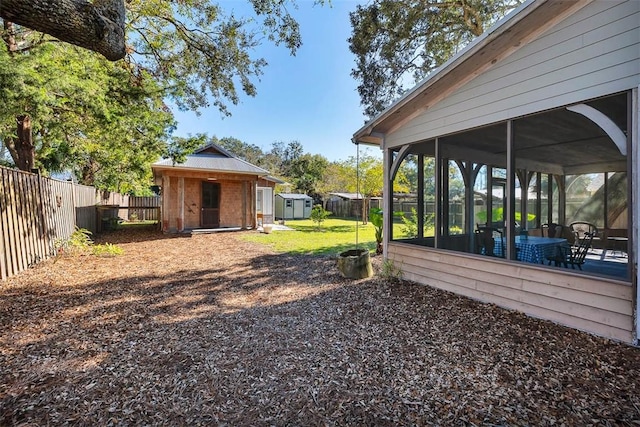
(209, 330)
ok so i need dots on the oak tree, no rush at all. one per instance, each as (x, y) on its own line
(398, 42)
(96, 25)
(191, 52)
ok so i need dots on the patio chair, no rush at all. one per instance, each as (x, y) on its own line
(580, 228)
(552, 230)
(572, 255)
(485, 241)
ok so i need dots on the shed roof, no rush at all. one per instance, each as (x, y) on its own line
(293, 196)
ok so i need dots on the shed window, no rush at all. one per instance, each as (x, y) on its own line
(307, 203)
(288, 203)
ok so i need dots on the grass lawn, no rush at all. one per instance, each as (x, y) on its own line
(334, 236)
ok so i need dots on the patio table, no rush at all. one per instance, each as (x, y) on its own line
(532, 248)
(618, 244)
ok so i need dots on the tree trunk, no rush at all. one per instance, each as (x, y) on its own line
(365, 216)
(9, 37)
(21, 148)
(89, 173)
(97, 25)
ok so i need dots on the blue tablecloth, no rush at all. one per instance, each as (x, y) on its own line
(533, 249)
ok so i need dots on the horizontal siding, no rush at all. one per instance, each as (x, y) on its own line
(593, 53)
(599, 306)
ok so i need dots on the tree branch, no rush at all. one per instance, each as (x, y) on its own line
(97, 26)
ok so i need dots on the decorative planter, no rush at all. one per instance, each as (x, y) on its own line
(267, 228)
(355, 264)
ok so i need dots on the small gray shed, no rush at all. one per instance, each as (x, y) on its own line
(293, 206)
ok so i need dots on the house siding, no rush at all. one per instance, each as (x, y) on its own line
(236, 200)
(593, 53)
(231, 206)
(193, 202)
(596, 305)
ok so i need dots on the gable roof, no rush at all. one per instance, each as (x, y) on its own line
(524, 24)
(293, 196)
(213, 158)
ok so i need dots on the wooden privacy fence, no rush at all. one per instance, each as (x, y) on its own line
(37, 212)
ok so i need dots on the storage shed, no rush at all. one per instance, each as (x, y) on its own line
(293, 206)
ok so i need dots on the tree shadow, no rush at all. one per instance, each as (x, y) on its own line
(328, 229)
(283, 339)
(137, 233)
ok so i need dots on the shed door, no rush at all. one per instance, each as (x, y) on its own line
(210, 217)
(298, 209)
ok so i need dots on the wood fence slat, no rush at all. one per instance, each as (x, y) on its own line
(16, 229)
(36, 228)
(25, 205)
(4, 240)
(39, 218)
(43, 189)
(7, 225)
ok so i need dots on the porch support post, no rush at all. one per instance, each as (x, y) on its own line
(538, 176)
(633, 129)
(180, 218)
(244, 204)
(511, 193)
(490, 196)
(438, 205)
(254, 204)
(468, 177)
(166, 191)
(550, 179)
(562, 199)
(525, 179)
(420, 210)
(471, 211)
(387, 200)
(445, 197)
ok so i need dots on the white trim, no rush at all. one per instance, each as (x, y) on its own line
(606, 124)
(635, 131)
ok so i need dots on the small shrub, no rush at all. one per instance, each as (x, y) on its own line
(78, 243)
(409, 225)
(318, 215)
(376, 218)
(106, 250)
(390, 271)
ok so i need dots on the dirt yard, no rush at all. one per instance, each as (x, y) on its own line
(209, 330)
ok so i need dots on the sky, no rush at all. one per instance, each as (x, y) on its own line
(310, 97)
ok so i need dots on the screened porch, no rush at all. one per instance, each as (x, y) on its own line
(558, 167)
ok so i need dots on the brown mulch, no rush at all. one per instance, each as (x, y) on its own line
(211, 330)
